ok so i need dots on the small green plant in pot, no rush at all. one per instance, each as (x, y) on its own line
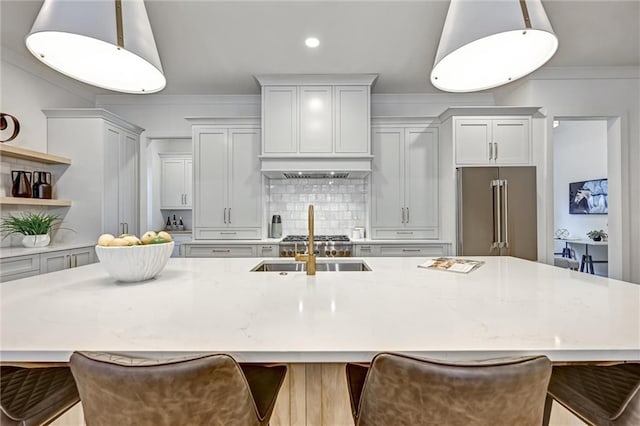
(596, 235)
(36, 227)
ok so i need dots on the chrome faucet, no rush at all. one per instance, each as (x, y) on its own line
(310, 257)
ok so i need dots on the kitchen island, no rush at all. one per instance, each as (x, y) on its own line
(506, 307)
(317, 323)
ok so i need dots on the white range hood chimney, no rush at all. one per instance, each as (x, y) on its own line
(316, 125)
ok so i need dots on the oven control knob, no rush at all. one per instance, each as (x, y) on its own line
(327, 252)
(347, 253)
(333, 252)
(289, 253)
(342, 253)
(283, 253)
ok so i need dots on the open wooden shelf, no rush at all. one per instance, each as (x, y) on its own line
(15, 201)
(27, 154)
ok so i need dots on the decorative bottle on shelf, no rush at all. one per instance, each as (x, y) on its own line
(168, 225)
(180, 224)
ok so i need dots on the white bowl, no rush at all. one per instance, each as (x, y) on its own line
(135, 263)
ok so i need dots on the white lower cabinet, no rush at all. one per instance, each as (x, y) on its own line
(401, 250)
(13, 268)
(66, 259)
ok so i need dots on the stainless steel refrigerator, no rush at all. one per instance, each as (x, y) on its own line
(497, 212)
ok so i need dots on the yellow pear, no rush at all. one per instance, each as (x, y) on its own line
(133, 240)
(165, 235)
(147, 237)
(119, 242)
(105, 239)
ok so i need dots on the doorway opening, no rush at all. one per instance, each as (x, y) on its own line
(586, 193)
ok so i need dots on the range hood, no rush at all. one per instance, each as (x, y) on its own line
(316, 168)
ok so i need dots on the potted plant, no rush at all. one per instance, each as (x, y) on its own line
(596, 235)
(36, 227)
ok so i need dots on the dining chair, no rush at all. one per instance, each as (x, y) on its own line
(35, 396)
(402, 390)
(202, 390)
(599, 395)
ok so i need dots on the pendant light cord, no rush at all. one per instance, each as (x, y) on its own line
(120, 35)
(525, 13)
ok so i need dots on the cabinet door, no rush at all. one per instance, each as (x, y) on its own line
(188, 183)
(387, 180)
(244, 192)
(316, 119)
(128, 201)
(210, 156)
(351, 109)
(511, 139)
(83, 256)
(280, 119)
(172, 183)
(54, 261)
(421, 178)
(472, 137)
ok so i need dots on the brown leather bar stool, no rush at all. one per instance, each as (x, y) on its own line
(402, 390)
(202, 390)
(35, 396)
(599, 395)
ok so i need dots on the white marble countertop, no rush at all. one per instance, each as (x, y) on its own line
(24, 251)
(234, 242)
(399, 242)
(506, 307)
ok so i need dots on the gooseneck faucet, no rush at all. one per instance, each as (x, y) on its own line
(310, 257)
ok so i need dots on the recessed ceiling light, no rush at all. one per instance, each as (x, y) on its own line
(312, 42)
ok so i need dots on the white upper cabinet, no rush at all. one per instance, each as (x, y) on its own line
(316, 115)
(176, 181)
(280, 119)
(404, 183)
(316, 119)
(352, 117)
(492, 141)
(227, 192)
(104, 178)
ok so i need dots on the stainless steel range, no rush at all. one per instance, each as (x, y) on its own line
(323, 245)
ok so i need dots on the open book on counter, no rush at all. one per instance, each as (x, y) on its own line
(452, 264)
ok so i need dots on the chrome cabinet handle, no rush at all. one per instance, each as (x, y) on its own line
(410, 250)
(224, 215)
(69, 261)
(267, 248)
(408, 220)
(228, 233)
(490, 151)
(402, 210)
(365, 248)
(220, 251)
(404, 232)
(229, 214)
(75, 260)
(495, 150)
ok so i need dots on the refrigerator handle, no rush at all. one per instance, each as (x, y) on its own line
(497, 237)
(505, 195)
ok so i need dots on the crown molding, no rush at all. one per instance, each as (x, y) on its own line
(177, 100)
(586, 73)
(37, 69)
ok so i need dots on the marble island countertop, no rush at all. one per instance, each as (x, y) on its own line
(506, 307)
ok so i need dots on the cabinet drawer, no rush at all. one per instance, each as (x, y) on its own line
(268, 250)
(19, 265)
(366, 250)
(412, 250)
(227, 234)
(201, 250)
(404, 234)
(11, 277)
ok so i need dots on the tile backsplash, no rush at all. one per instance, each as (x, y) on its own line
(339, 204)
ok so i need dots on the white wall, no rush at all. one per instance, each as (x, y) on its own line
(606, 93)
(579, 154)
(25, 91)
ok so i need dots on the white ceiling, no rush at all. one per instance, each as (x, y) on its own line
(215, 47)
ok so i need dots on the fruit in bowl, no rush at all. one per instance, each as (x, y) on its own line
(130, 259)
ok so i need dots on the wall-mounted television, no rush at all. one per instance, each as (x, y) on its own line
(589, 197)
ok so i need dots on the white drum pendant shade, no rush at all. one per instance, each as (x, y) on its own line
(488, 43)
(80, 39)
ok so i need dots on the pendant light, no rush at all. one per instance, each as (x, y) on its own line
(488, 43)
(105, 43)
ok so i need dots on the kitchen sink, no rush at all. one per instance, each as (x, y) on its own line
(321, 266)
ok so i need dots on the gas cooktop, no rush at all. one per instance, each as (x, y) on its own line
(317, 238)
